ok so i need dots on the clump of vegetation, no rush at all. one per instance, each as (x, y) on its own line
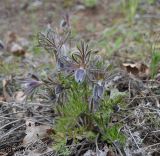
(8, 68)
(151, 1)
(77, 89)
(90, 3)
(155, 59)
(130, 8)
(155, 63)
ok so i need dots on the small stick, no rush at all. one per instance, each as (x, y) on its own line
(12, 131)
(9, 124)
(133, 138)
(152, 145)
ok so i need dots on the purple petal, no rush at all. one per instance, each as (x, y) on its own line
(98, 92)
(80, 75)
(30, 85)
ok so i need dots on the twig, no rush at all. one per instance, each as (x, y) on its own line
(9, 124)
(152, 145)
(119, 151)
(155, 131)
(12, 131)
(140, 97)
(133, 137)
(14, 113)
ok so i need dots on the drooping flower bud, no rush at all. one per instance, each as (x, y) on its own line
(30, 85)
(80, 75)
(98, 92)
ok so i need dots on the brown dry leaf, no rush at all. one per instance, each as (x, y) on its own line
(17, 50)
(15, 44)
(6, 95)
(138, 69)
(34, 132)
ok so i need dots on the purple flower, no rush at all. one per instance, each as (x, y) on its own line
(30, 84)
(98, 92)
(80, 74)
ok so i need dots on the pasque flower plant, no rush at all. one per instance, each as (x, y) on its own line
(77, 85)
